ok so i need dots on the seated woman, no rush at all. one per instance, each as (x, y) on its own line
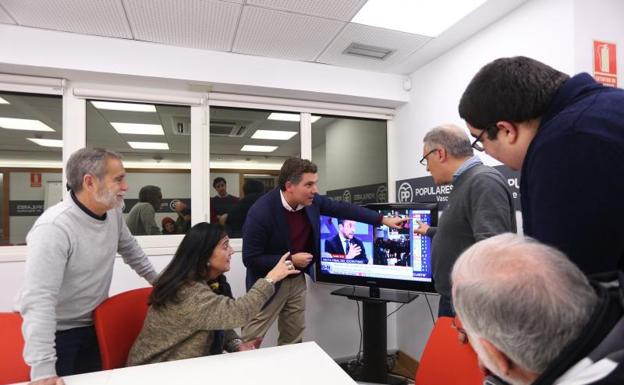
(192, 312)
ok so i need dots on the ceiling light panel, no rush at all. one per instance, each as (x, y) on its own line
(253, 148)
(5, 18)
(286, 117)
(102, 18)
(47, 142)
(267, 32)
(24, 124)
(149, 145)
(273, 134)
(426, 18)
(138, 128)
(186, 23)
(330, 9)
(117, 106)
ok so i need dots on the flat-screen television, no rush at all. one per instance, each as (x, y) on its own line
(354, 253)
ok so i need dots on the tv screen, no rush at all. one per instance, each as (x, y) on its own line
(354, 253)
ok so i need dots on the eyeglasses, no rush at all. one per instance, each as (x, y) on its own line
(423, 161)
(462, 336)
(477, 144)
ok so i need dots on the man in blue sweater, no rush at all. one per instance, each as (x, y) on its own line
(286, 219)
(567, 136)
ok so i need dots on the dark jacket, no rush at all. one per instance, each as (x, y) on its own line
(597, 355)
(236, 217)
(333, 245)
(265, 233)
(572, 182)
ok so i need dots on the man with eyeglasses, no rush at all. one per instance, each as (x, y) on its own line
(566, 135)
(479, 206)
(533, 317)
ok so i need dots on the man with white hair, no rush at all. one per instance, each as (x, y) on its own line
(69, 267)
(534, 318)
(479, 206)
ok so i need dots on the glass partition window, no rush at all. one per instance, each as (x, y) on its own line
(155, 142)
(247, 149)
(352, 158)
(30, 160)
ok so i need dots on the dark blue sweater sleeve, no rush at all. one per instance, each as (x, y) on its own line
(575, 200)
(345, 210)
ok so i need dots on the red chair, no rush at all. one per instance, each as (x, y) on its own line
(447, 361)
(12, 365)
(118, 321)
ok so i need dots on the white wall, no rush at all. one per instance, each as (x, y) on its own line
(354, 144)
(54, 53)
(542, 29)
(600, 21)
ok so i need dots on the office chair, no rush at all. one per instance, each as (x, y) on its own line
(12, 365)
(118, 321)
(445, 360)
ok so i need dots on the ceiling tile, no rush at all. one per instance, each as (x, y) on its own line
(4, 17)
(93, 17)
(404, 44)
(188, 23)
(284, 35)
(331, 9)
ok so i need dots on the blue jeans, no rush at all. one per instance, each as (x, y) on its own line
(445, 307)
(77, 351)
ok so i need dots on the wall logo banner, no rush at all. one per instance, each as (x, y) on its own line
(25, 208)
(423, 189)
(359, 195)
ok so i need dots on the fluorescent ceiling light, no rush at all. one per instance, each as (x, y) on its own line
(149, 145)
(47, 142)
(289, 117)
(124, 106)
(273, 134)
(24, 124)
(138, 128)
(427, 18)
(252, 148)
(4, 101)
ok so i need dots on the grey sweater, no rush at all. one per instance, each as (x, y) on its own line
(480, 206)
(142, 219)
(185, 329)
(69, 268)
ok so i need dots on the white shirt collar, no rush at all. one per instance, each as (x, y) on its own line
(287, 206)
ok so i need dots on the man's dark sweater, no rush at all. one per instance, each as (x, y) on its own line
(480, 206)
(572, 183)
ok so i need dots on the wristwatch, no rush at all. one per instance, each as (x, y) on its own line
(270, 280)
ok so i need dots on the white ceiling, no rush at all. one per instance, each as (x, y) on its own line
(302, 30)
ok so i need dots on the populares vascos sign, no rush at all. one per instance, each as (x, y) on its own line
(424, 190)
(359, 195)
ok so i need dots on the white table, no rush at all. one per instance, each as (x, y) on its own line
(299, 364)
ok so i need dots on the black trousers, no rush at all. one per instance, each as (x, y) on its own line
(77, 351)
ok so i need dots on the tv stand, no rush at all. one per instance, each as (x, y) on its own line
(374, 327)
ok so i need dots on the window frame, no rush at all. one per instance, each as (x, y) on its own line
(75, 95)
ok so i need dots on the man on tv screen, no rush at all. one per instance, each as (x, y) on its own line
(345, 244)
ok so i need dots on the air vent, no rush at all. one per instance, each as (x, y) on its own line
(227, 128)
(181, 125)
(368, 51)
